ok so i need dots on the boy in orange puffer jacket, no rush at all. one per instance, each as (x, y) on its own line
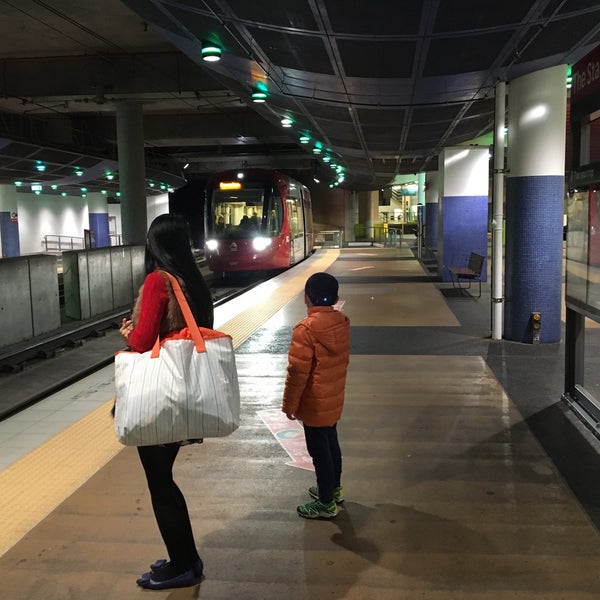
(314, 389)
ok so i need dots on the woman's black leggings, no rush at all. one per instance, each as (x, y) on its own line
(169, 505)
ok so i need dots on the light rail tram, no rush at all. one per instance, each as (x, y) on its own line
(256, 220)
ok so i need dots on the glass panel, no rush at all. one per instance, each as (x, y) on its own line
(238, 213)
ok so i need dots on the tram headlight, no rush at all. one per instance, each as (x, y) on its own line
(261, 243)
(212, 245)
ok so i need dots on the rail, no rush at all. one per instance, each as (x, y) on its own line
(58, 243)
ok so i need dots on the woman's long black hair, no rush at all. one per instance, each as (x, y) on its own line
(168, 247)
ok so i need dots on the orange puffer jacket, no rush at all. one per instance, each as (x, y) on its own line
(317, 365)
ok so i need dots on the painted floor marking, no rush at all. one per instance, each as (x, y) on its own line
(290, 435)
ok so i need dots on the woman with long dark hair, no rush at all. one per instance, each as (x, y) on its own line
(157, 312)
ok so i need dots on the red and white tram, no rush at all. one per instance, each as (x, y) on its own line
(256, 220)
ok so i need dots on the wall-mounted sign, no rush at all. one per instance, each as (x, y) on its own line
(14, 217)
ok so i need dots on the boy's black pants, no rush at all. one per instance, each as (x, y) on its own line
(322, 445)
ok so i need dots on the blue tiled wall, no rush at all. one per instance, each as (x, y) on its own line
(99, 225)
(464, 230)
(9, 232)
(431, 225)
(533, 272)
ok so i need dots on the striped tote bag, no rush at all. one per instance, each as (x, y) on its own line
(185, 388)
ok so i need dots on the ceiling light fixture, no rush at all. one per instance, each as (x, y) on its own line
(259, 95)
(210, 52)
(287, 122)
(304, 139)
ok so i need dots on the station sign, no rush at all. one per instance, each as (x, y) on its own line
(585, 87)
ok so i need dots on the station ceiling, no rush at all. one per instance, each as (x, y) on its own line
(382, 86)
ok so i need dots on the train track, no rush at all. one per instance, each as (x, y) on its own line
(40, 367)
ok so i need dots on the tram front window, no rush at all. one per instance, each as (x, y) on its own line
(243, 213)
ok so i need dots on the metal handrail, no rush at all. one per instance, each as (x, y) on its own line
(58, 243)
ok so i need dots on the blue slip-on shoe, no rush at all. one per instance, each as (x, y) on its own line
(198, 569)
(185, 579)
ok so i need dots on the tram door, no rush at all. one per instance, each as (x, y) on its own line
(296, 219)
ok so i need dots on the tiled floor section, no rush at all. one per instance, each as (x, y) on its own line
(449, 495)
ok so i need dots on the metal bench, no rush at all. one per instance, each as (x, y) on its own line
(470, 273)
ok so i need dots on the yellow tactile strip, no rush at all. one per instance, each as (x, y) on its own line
(35, 485)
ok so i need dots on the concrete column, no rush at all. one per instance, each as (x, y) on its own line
(431, 212)
(9, 222)
(98, 218)
(463, 208)
(130, 146)
(350, 216)
(534, 204)
(368, 213)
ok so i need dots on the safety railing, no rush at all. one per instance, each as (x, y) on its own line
(58, 243)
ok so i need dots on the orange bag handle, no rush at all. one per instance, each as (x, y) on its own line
(187, 315)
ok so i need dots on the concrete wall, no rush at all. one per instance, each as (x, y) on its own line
(101, 280)
(29, 303)
(50, 214)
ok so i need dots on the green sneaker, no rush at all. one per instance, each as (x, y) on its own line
(317, 510)
(338, 493)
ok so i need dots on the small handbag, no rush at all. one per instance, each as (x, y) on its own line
(185, 388)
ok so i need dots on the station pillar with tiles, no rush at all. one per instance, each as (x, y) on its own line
(98, 218)
(535, 204)
(9, 222)
(431, 212)
(463, 206)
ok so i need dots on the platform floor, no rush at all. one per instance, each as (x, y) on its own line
(460, 468)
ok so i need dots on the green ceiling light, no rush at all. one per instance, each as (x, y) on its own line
(151, 183)
(84, 189)
(103, 192)
(18, 183)
(210, 52)
(63, 194)
(84, 195)
(259, 92)
(40, 166)
(109, 176)
(118, 194)
(287, 122)
(326, 158)
(54, 186)
(569, 77)
(258, 95)
(317, 148)
(304, 139)
(78, 171)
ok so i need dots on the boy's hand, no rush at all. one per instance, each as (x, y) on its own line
(290, 416)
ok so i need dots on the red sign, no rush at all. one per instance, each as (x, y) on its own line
(290, 434)
(586, 76)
